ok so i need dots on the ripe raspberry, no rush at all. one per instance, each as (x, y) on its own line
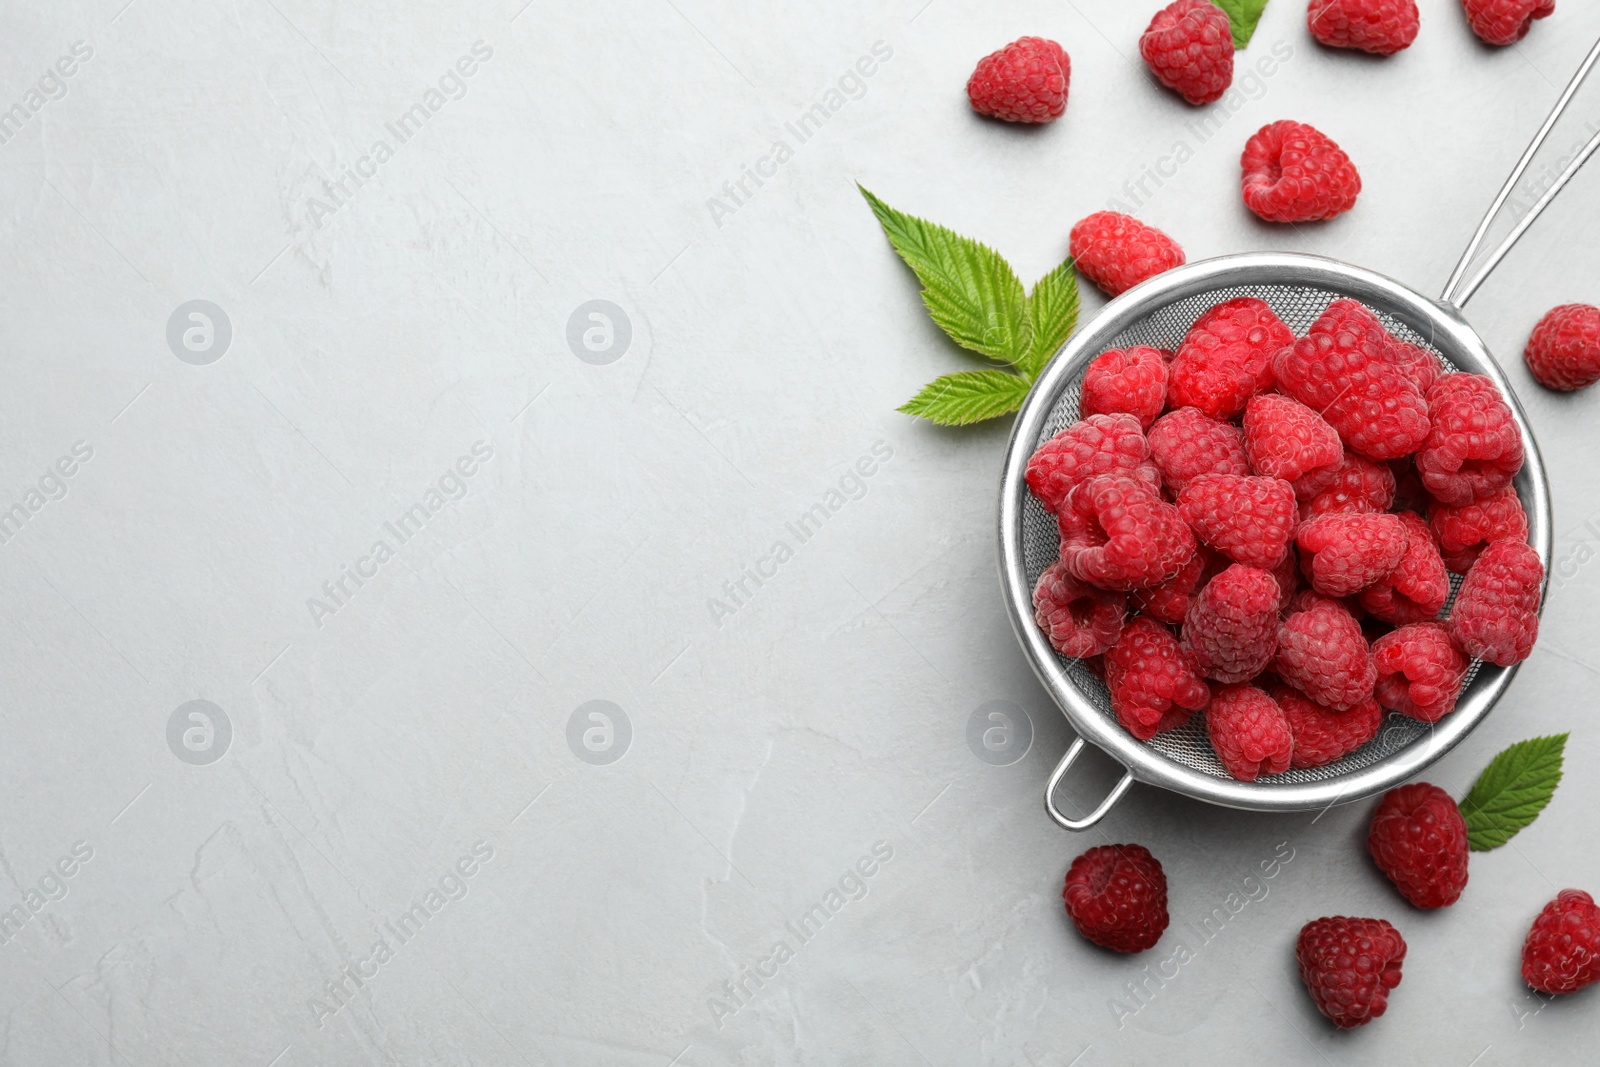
(1474, 447)
(1117, 252)
(1419, 840)
(1562, 951)
(1295, 173)
(1126, 381)
(1382, 27)
(1322, 735)
(1099, 444)
(1564, 351)
(1189, 47)
(1226, 358)
(1168, 602)
(1287, 575)
(1419, 671)
(1249, 520)
(1420, 365)
(1465, 531)
(1322, 653)
(1505, 22)
(1344, 369)
(1496, 613)
(1349, 966)
(1187, 443)
(1354, 484)
(1117, 897)
(1154, 682)
(1417, 588)
(1026, 81)
(1118, 534)
(1232, 625)
(1286, 439)
(1079, 619)
(1249, 732)
(1344, 553)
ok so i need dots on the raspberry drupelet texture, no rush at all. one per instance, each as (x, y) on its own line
(1116, 895)
(1382, 27)
(1117, 533)
(1420, 671)
(1226, 357)
(1287, 575)
(1026, 81)
(1154, 683)
(1473, 447)
(1285, 439)
(1419, 840)
(1417, 588)
(1562, 951)
(1564, 350)
(1249, 520)
(1168, 602)
(1322, 735)
(1295, 173)
(1343, 553)
(1099, 444)
(1349, 966)
(1117, 251)
(1354, 484)
(1463, 532)
(1322, 653)
(1420, 365)
(1126, 381)
(1503, 22)
(1187, 443)
(1249, 732)
(1496, 613)
(1189, 48)
(1232, 625)
(1079, 619)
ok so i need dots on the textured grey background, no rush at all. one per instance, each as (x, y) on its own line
(379, 334)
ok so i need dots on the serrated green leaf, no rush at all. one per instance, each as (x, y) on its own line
(968, 397)
(1512, 791)
(969, 289)
(1052, 315)
(1243, 17)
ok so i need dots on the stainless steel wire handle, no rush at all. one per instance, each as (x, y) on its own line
(1100, 810)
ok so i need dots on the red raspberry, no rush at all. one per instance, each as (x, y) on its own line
(1232, 625)
(1505, 22)
(1419, 840)
(1287, 575)
(1226, 358)
(1117, 252)
(1117, 897)
(1344, 553)
(1118, 534)
(1154, 682)
(1295, 173)
(1322, 735)
(1286, 439)
(1322, 653)
(1417, 588)
(1344, 369)
(1349, 966)
(1474, 447)
(1187, 443)
(1496, 613)
(1463, 532)
(1354, 484)
(1100, 444)
(1564, 351)
(1169, 601)
(1419, 671)
(1562, 951)
(1126, 381)
(1249, 520)
(1420, 365)
(1079, 619)
(1189, 47)
(1249, 732)
(1382, 27)
(1026, 81)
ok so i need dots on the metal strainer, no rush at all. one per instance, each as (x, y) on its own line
(1158, 313)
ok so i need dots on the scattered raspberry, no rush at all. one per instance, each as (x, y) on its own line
(1232, 625)
(1505, 22)
(1354, 484)
(1322, 735)
(1420, 365)
(1322, 653)
(1099, 444)
(1249, 520)
(1564, 351)
(1417, 588)
(1026, 81)
(1226, 358)
(1419, 671)
(1349, 966)
(1189, 47)
(1286, 439)
(1126, 381)
(1249, 732)
(1117, 533)
(1295, 173)
(1117, 897)
(1346, 552)
(1187, 443)
(1496, 613)
(1382, 27)
(1464, 531)
(1079, 619)
(1117, 252)
(1474, 447)
(1169, 601)
(1562, 951)
(1154, 682)
(1419, 840)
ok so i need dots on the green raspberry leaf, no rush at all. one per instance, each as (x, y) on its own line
(1512, 791)
(1052, 315)
(970, 290)
(1243, 16)
(968, 397)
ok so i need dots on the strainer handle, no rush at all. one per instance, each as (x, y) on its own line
(1098, 813)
